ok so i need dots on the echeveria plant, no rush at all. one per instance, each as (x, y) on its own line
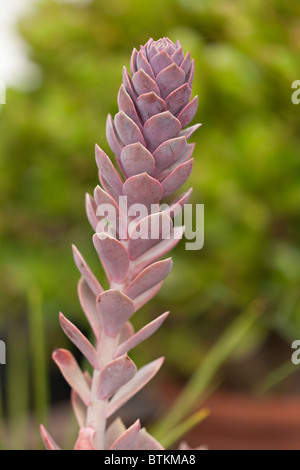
(149, 138)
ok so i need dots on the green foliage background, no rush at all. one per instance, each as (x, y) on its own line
(246, 173)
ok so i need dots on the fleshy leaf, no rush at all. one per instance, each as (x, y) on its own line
(128, 84)
(108, 172)
(126, 105)
(147, 442)
(177, 178)
(141, 335)
(142, 63)
(178, 98)
(188, 113)
(169, 79)
(142, 189)
(145, 297)
(79, 409)
(160, 61)
(135, 159)
(48, 441)
(88, 304)
(161, 127)
(82, 343)
(189, 131)
(149, 232)
(142, 377)
(114, 375)
(186, 63)
(149, 277)
(112, 137)
(150, 104)
(113, 255)
(128, 440)
(113, 432)
(72, 373)
(169, 152)
(86, 272)
(143, 83)
(127, 129)
(115, 309)
(90, 207)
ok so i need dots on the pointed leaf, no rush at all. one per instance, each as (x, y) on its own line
(113, 432)
(178, 98)
(135, 159)
(107, 211)
(188, 152)
(48, 441)
(149, 277)
(189, 131)
(177, 205)
(128, 440)
(113, 255)
(161, 127)
(88, 304)
(188, 113)
(112, 136)
(80, 341)
(177, 178)
(150, 104)
(158, 251)
(143, 334)
(191, 74)
(86, 272)
(114, 375)
(127, 129)
(91, 208)
(126, 105)
(79, 409)
(151, 51)
(145, 297)
(133, 58)
(170, 79)
(178, 56)
(160, 61)
(149, 232)
(169, 152)
(147, 442)
(142, 189)
(143, 83)
(72, 373)
(108, 172)
(142, 377)
(128, 84)
(115, 309)
(142, 63)
(186, 63)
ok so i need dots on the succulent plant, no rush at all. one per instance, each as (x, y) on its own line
(149, 139)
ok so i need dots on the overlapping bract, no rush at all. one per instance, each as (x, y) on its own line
(151, 148)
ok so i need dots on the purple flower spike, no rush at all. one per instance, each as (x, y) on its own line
(149, 139)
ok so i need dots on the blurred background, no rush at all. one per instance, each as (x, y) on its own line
(235, 304)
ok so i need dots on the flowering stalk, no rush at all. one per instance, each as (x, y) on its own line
(152, 152)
